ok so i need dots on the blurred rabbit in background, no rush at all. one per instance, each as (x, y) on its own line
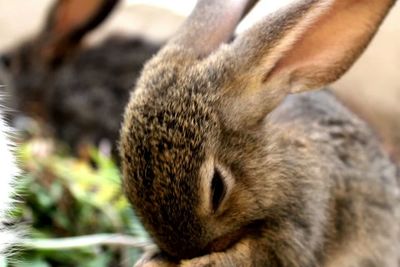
(78, 92)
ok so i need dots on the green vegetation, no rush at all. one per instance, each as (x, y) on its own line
(65, 196)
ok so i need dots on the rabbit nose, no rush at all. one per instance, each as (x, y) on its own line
(5, 60)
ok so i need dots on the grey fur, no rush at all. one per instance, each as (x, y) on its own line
(308, 182)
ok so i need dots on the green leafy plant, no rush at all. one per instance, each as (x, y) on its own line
(66, 197)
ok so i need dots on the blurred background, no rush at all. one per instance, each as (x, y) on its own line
(67, 68)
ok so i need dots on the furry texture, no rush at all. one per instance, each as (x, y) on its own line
(224, 168)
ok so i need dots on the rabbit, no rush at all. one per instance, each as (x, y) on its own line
(231, 158)
(77, 92)
(9, 171)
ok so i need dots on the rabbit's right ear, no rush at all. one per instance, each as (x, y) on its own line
(67, 23)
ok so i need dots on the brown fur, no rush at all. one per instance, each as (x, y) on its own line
(302, 181)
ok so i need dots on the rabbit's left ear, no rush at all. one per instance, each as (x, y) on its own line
(308, 45)
(68, 21)
(329, 45)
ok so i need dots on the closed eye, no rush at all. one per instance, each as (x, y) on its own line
(218, 190)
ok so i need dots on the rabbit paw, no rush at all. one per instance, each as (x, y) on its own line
(205, 261)
(239, 255)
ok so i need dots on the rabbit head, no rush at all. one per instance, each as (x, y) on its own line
(199, 162)
(27, 68)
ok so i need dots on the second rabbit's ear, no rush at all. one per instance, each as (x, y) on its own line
(67, 23)
(306, 46)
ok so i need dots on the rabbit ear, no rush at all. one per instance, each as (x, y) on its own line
(306, 46)
(68, 22)
(211, 23)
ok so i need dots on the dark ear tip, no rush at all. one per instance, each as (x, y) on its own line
(87, 22)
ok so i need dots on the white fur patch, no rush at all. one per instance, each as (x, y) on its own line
(8, 172)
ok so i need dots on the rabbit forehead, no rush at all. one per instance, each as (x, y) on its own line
(172, 130)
